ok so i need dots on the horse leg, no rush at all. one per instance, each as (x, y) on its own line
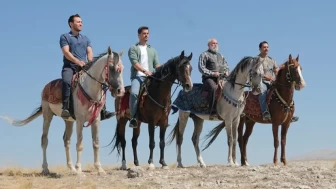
(240, 138)
(198, 127)
(136, 133)
(275, 129)
(248, 131)
(284, 129)
(183, 119)
(79, 144)
(234, 139)
(228, 128)
(95, 144)
(47, 117)
(121, 125)
(163, 129)
(67, 138)
(151, 132)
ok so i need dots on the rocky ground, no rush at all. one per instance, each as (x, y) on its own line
(318, 174)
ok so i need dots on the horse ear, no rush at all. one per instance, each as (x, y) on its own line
(109, 50)
(190, 56)
(121, 52)
(182, 54)
(297, 58)
(290, 58)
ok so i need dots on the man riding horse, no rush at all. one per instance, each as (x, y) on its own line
(76, 49)
(270, 72)
(144, 60)
(213, 67)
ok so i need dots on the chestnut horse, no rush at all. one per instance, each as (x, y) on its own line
(153, 107)
(280, 104)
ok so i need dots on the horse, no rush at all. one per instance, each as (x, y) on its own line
(88, 96)
(281, 107)
(229, 104)
(153, 107)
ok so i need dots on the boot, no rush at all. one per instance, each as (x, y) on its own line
(104, 114)
(65, 110)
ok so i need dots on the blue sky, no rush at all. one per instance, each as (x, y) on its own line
(31, 57)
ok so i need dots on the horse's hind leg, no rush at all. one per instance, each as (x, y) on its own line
(248, 131)
(67, 138)
(47, 117)
(198, 127)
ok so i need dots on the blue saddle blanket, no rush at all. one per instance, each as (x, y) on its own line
(194, 101)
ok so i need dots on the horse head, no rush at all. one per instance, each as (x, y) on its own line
(255, 76)
(114, 74)
(294, 73)
(184, 69)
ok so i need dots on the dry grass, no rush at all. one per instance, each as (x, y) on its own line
(298, 174)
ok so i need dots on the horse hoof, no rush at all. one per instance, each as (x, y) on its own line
(101, 173)
(45, 172)
(151, 167)
(165, 167)
(202, 165)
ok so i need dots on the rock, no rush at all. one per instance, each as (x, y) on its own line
(135, 172)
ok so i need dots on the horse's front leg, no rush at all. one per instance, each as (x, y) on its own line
(136, 133)
(275, 129)
(151, 132)
(79, 144)
(95, 143)
(181, 124)
(234, 135)
(284, 129)
(163, 129)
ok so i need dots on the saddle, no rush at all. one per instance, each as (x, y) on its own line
(218, 93)
(252, 106)
(52, 92)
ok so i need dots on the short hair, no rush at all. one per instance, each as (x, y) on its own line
(261, 43)
(71, 18)
(142, 28)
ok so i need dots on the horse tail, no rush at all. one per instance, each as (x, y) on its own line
(15, 122)
(213, 134)
(173, 133)
(117, 140)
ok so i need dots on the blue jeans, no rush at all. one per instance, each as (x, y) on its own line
(135, 88)
(262, 98)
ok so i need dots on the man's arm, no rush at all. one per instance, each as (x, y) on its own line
(89, 51)
(156, 62)
(275, 68)
(226, 66)
(134, 60)
(65, 50)
(202, 65)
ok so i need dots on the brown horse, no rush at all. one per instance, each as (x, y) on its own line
(281, 107)
(153, 107)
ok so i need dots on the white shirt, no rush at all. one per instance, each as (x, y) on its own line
(144, 59)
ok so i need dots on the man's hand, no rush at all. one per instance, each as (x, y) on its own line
(81, 63)
(148, 73)
(268, 77)
(216, 74)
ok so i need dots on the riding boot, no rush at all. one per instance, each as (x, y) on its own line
(65, 109)
(104, 114)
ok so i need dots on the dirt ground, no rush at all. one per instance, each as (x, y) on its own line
(318, 174)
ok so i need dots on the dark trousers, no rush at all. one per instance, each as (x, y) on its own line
(67, 74)
(210, 85)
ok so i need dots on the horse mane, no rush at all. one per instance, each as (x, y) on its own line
(96, 58)
(241, 66)
(166, 67)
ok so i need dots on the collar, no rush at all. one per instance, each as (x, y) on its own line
(148, 45)
(211, 51)
(71, 34)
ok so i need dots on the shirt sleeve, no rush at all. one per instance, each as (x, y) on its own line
(202, 65)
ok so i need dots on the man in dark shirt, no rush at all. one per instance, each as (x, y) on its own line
(76, 49)
(212, 66)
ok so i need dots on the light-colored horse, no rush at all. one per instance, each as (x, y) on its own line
(229, 107)
(88, 97)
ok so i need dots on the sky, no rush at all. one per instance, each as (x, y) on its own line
(31, 57)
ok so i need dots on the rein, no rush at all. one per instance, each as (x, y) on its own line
(97, 103)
